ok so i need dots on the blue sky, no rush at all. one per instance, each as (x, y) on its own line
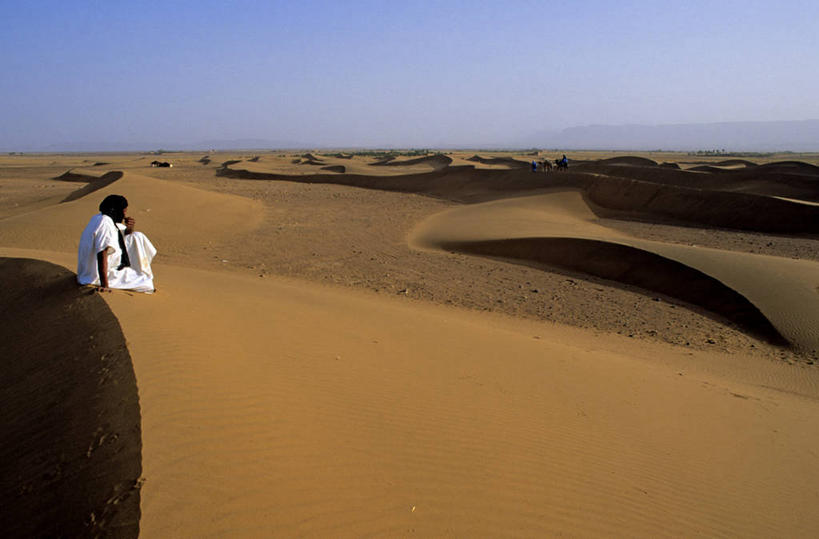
(408, 73)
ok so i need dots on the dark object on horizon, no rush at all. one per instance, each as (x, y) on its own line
(161, 164)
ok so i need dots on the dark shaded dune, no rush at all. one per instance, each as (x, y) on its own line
(254, 159)
(707, 168)
(94, 183)
(506, 161)
(629, 160)
(436, 161)
(773, 180)
(633, 267)
(759, 180)
(100, 164)
(230, 162)
(383, 161)
(205, 160)
(311, 157)
(654, 174)
(341, 169)
(735, 163)
(312, 162)
(724, 163)
(70, 460)
(630, 199)
(796, 167)
(670, 165)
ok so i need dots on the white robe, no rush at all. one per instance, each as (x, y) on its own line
(101, 234)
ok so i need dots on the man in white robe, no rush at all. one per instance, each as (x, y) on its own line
(100, 260)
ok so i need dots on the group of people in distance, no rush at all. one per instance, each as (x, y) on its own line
(112, 254)
(546, 165)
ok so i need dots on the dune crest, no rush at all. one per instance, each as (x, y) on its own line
(437, 162)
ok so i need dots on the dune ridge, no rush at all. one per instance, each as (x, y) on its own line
(437, 162)
(626, 160)
(508, 161)
(625, 198)
(631, 266)
(663, 201)
(782, 290)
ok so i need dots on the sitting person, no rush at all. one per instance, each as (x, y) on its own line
(107, 259)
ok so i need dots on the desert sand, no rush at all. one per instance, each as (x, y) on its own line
(442, 345)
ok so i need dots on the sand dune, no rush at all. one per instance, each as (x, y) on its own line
(628, 160)
(743, 211)
(179, 218)
(282, 407)
(772, 179)
(726, 163)
(326, 413)
(507, 161)
(664, 201)
(558, 229)
(435, 161)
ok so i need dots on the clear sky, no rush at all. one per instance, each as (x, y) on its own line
(405, 73)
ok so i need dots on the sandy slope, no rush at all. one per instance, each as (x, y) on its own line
(277, 407)
(269, 407)
(783, 290)
(174, 216)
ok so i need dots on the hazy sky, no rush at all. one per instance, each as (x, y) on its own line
(403, 73)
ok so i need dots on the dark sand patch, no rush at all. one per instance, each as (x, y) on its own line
(69, 409)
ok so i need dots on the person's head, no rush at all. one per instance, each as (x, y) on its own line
(114, 206)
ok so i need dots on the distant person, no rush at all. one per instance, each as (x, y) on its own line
(112, 254)
(534, 166)
(565, 161)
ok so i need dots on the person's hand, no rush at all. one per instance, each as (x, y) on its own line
(129, 224)
(102, 289)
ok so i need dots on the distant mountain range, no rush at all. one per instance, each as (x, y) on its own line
(796, 136)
